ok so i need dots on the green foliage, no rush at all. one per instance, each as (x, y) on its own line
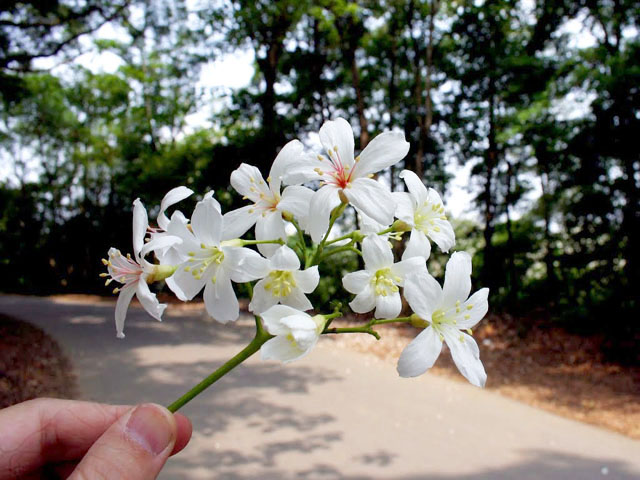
(482, 84)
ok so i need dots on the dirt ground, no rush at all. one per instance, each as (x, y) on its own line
(31, 364)
(549, 368)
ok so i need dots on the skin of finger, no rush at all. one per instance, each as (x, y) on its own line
(117, 455)
(185, 429)
(45, 430)
(42, 431)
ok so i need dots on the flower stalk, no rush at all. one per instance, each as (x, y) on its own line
(260, 338)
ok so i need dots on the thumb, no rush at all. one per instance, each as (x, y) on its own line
(135, 447)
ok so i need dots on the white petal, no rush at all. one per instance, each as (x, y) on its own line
(466, 356)
(248, 182)
(237, 222)
(372, 198)
(476, 308)
(206, 222)
(262, 299)
(368, 225)
(303, 169)
(273, 316)
(405, 209)
(124, 299)
(209, 196)
(376, 253)
(356, 282)
(220, 299)
(305, 338)
(270, 227)
(176, 289)
(457, 279)
(420, 355)
(445, 238)
(180, 229)
(388, 306)
(281, 348)
(416, 187)
(417, 246)
(385, 150)
(160, 242)
(297, 299)
(149, 301)
(288, 155)
(172, 197)
(245, 264)
(338, 133)
(423, 293)
(184, 284)
(364, 302)
(407, 267)
(284, 258)
(434, 197)
(140, 225)
(307, 280)
(322, 203)
(299, 322)
(296, 200)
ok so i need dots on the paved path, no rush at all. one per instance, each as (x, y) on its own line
(335, 414)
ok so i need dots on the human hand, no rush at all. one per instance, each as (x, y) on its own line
(50, 438)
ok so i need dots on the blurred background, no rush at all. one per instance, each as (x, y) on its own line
(525, 115)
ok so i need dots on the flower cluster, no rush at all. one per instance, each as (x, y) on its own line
(311, 191)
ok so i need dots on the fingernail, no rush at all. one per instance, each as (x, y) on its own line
(149, 427)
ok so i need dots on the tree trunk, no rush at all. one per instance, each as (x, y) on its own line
(489, 265)
(551, 280)
(355, 81)
(509, 200)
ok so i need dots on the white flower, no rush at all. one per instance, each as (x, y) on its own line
(296, 333)
(170, 255)
(344, 176)
(377, 285)
(268, 205)
(134, 273)
(447, 311)
(423, 211)
(213, 263)
(285, 283)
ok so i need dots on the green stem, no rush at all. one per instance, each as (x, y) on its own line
(368, 327)
(388, 230)
(339, 210)
(390, 320)
(259, 242)
(249, 289)
(344, 248)
(261, 337)
(361, 329)
(339, 239)
(301, 243)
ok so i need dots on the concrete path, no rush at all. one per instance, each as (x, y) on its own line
(333, 415)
